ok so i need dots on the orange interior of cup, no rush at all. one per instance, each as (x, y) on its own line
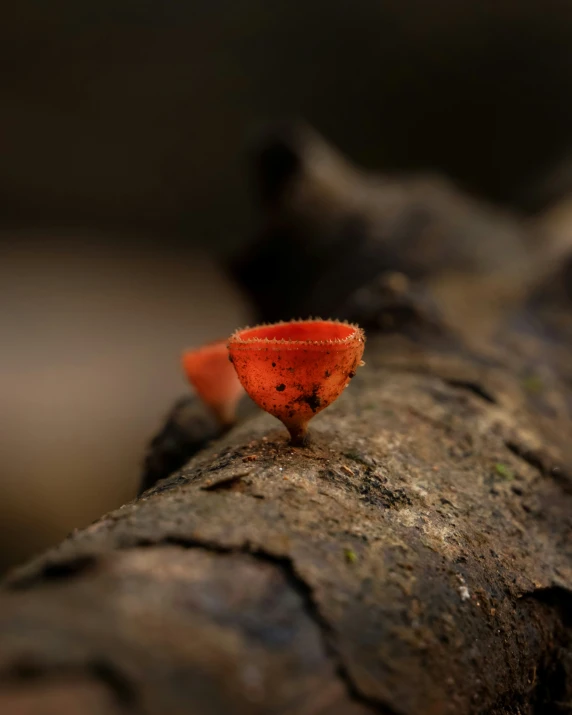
(303, 331)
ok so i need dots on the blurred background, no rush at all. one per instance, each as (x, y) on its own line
(124, 183)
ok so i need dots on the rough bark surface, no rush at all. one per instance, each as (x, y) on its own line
(414, 559)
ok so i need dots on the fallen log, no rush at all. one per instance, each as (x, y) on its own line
(415, 558)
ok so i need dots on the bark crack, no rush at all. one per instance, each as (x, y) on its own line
(543, 463)
(69, 569)
(310, 605)
(100, 670)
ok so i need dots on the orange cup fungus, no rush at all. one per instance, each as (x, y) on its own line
(294, 370)
(214, 379)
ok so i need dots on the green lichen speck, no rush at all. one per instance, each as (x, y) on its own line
(504, 471)
(532, 384)
(351, 556)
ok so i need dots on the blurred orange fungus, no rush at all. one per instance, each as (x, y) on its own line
(211, 374)
(294, 370)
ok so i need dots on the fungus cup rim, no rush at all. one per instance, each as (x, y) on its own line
(356, 336)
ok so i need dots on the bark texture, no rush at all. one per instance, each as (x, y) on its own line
(414, 559)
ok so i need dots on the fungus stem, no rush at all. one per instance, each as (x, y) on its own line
(298, 435)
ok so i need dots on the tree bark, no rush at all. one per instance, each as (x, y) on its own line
(415, 558)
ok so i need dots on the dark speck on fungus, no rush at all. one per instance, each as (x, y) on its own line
(281, 388)
(312, 400)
